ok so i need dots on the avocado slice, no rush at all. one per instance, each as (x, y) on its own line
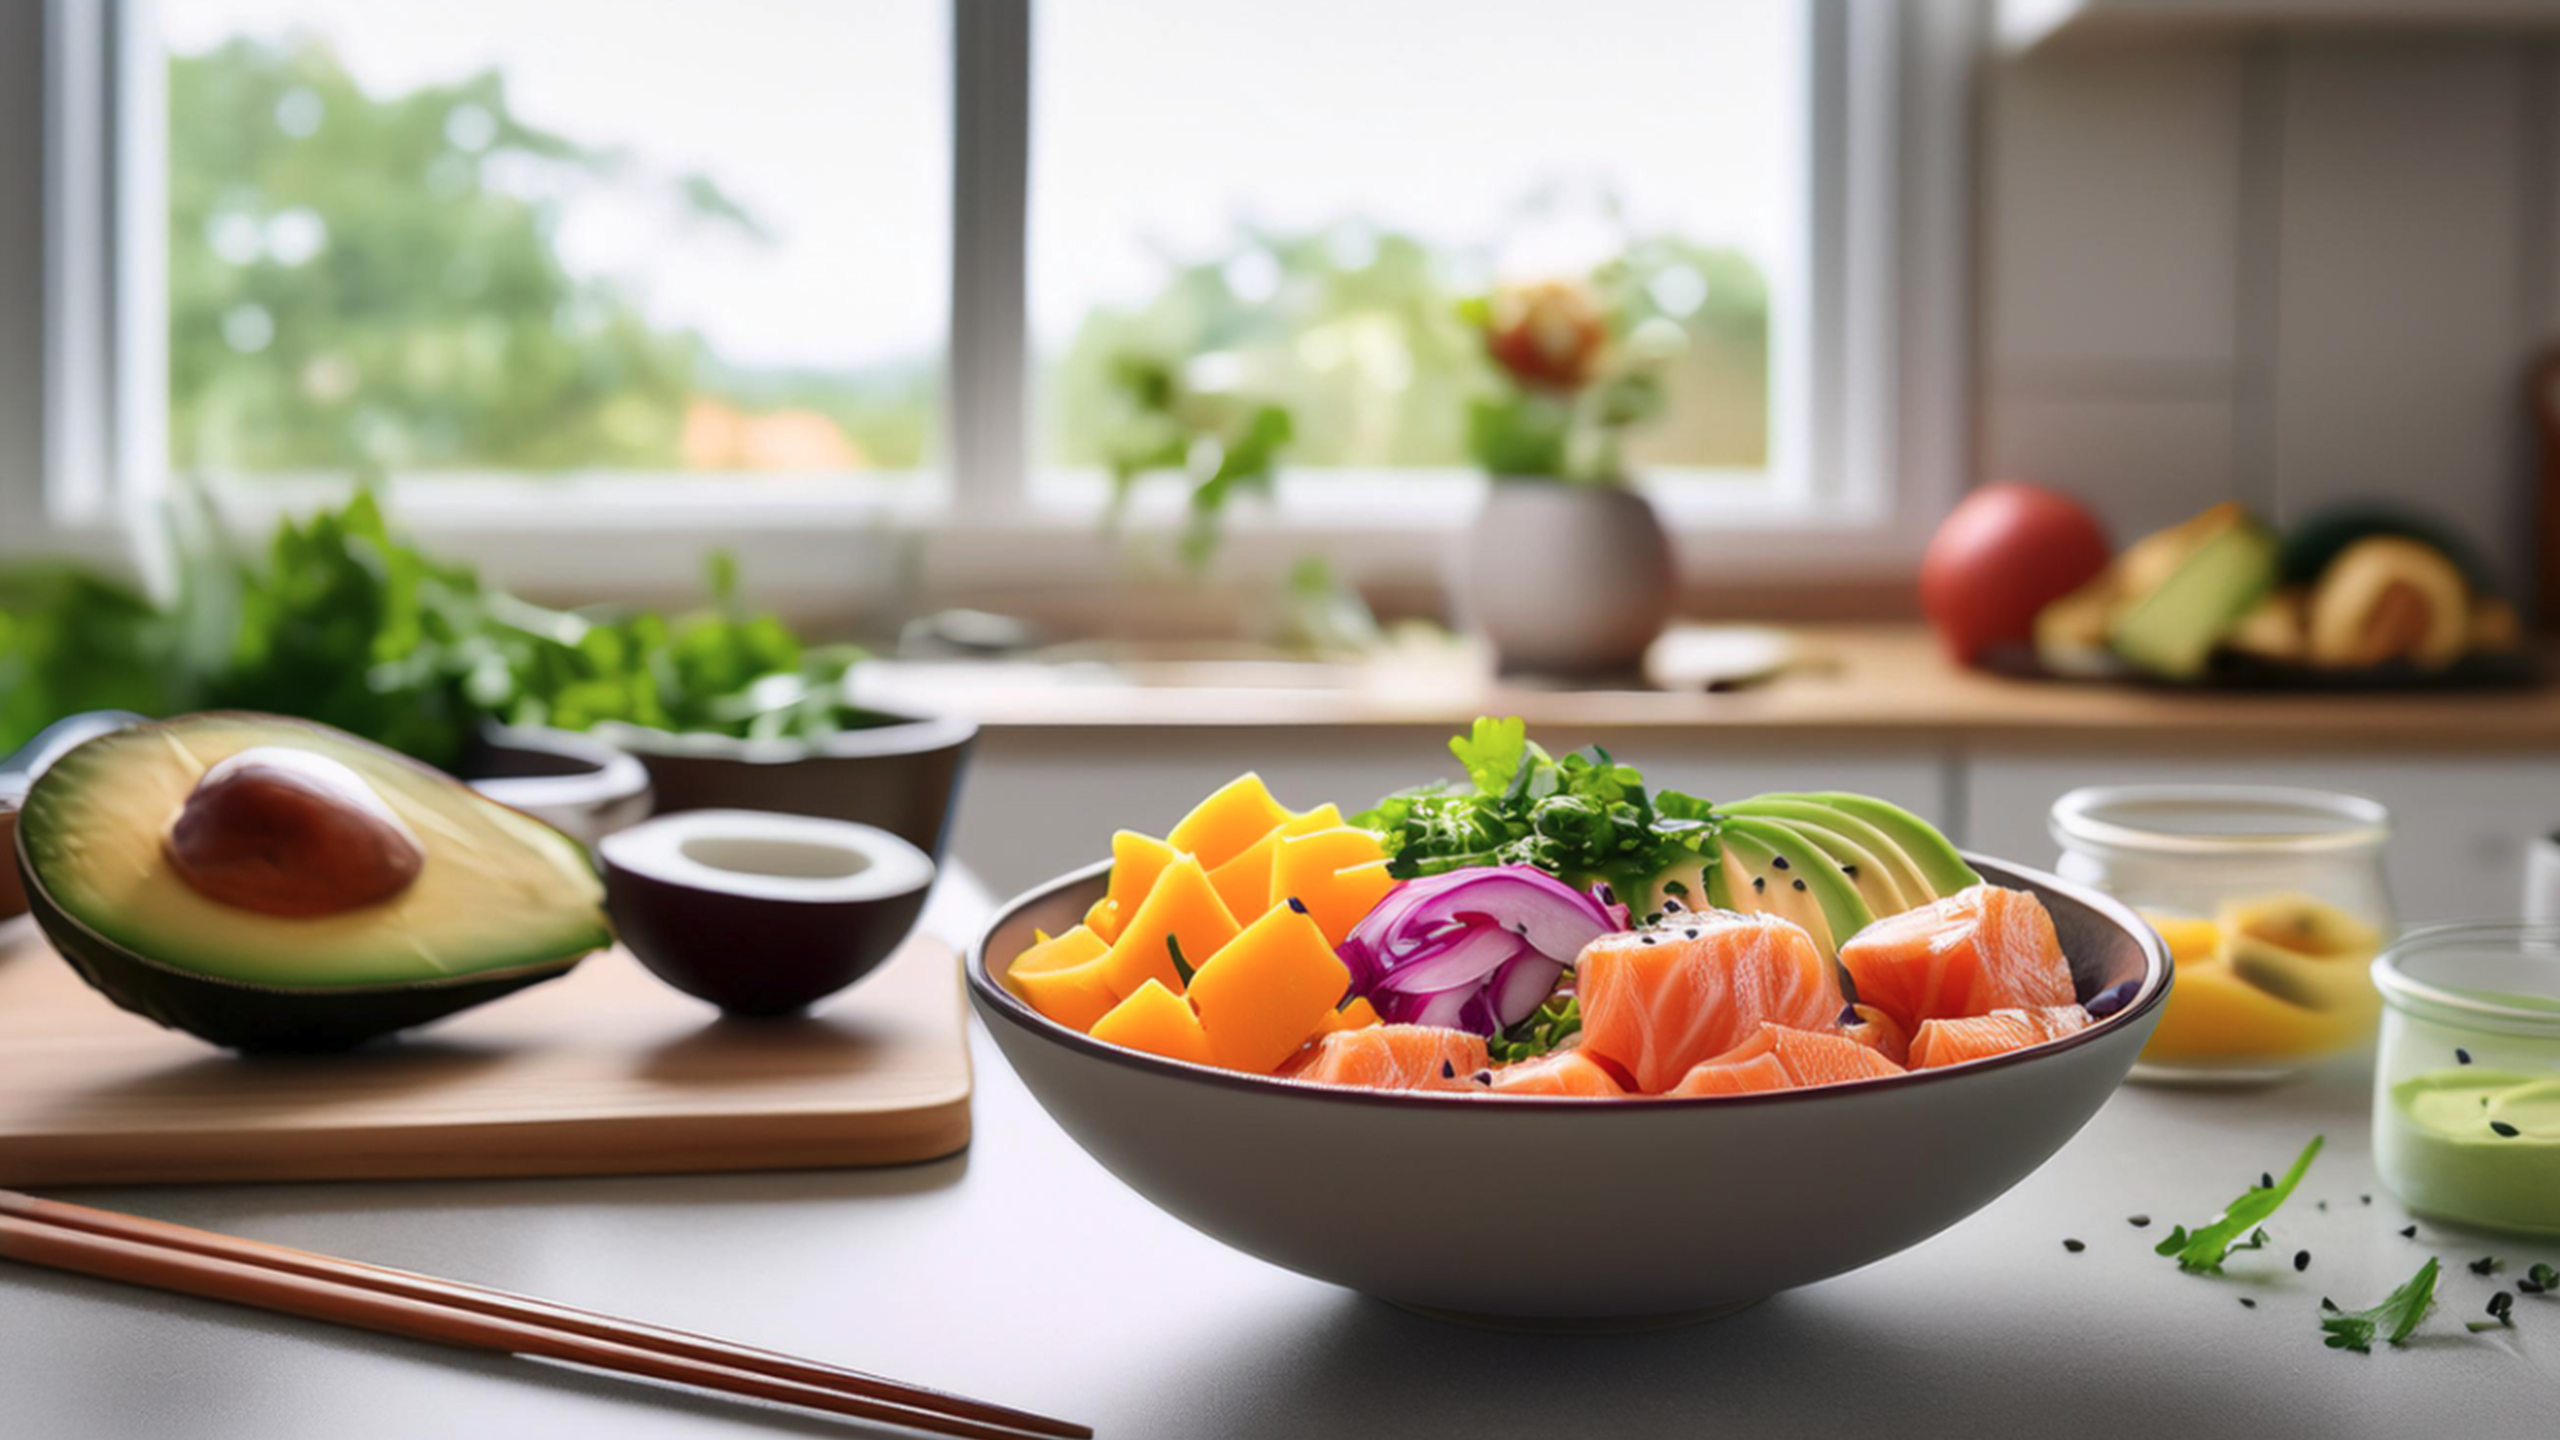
(1797, 879)
(2172, 631)
(1886, 878)
(413, 897)
(1919, 841)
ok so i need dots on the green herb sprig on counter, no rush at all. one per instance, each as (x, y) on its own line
(2237, 1227)
(1582, 815)
(2394, 1320)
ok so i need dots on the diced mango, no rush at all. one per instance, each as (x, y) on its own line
(1263, 994)
(1136, 862)
(1359, 1014)
(1183, 907)
(1323, 817)
(1226, 824)
(1338, 874)
(1063, 978)
(1159, 1022)
(1245, 882)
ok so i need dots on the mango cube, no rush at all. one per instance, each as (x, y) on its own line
(1358, 1015)
(1323, 817)
(1159, 1022)
(1182, 908)
(1340, 875)
(1263, 994)
(1226, 824)
(1136, 862)
(1062, 978)
(1245, 882)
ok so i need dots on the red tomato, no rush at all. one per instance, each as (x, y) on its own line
(2007, 552)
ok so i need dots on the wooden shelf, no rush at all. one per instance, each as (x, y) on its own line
(1849, 683)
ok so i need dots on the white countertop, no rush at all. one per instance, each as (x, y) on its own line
(1023, 1273)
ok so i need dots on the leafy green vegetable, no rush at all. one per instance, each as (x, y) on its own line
(2203, 1251)
(2395, 1319)
(1554, 1023)
(1582, 816)
(73, 641)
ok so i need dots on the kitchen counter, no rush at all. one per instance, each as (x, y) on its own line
(1020, 1271)
(1849, 683)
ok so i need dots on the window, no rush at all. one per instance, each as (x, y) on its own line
(780, 273)
(1297, 198)
(450, 238)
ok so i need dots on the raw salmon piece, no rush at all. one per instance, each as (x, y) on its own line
(1778, 1058)
(1657, 1002)
(1394, 1057)
(1952, 1042)
(1879, 1032)
(1974, 952)
(1564, 1072)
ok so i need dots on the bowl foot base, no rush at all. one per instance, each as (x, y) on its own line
(1577, 1324)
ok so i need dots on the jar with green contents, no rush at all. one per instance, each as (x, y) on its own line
(2466, 1104)
(2273, 903)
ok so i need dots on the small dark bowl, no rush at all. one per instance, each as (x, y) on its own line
(574, 783)
(760, 913)
(901, 775)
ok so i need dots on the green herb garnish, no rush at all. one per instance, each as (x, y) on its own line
(2502, 1314)
(1583, 815)
(2539, 1280)
(2394, 1319)
(1555, 1022)
(2204, 1250)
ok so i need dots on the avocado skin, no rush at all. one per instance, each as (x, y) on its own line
(257, 1019)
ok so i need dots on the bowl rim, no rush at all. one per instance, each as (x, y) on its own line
(996, 999)
(902, 735)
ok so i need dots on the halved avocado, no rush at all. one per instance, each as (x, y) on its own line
(1928, 850)
(1771, 867)
(270, 884)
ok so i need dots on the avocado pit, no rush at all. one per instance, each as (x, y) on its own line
(292, 833)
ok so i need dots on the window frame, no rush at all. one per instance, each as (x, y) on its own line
(1882, 410)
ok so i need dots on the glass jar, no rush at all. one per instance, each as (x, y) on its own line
(2466, 1096)
(2272, 901)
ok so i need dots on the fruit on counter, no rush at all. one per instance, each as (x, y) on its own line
(1981, 950)
(2268, 977)
(2172, 629)
(2385, 599)
(271, 884)
(1431, 953)
(2349, 589)
(2009, 550)
(1657, 1003)
(1779, 1058)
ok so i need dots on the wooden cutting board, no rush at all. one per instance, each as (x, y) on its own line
(603, 1072)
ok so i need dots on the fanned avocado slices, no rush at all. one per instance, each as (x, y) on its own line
(1771, 867)
(1928, 851)
(1885, 877)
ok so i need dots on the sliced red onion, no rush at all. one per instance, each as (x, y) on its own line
(1476, 949)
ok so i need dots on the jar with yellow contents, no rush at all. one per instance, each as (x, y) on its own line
(2273, 902)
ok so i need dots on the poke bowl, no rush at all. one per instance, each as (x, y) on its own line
(1651, 1210)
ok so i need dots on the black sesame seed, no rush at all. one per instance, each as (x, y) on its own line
(2266, 1181)
(2528, 1286)
(2366, 1199)
(2486, 1264)
(2301, 1260)
(2137, 1221)
(1849, 870)
(2324, 1204)
(1648, 940)
(2074, 1246)
(1448, 1071)
(2461, 1056)
(1297, 904)
(2503, 1128)
(2410, 1233)
(1482, 1077)
(2249, 1303)
(1778, 861)
(1671, 907)
(1674, 887)
(1799, 884)
(1693, 932)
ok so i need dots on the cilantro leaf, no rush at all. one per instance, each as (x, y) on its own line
(2394, 1319)
(1493, 752)
(2203, 1250)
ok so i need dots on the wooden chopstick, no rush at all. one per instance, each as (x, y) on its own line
(222, 1267)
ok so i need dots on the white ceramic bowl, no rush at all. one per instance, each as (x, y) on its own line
(1534, 1211)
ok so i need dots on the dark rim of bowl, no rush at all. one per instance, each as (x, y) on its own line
(899, 735)
(997, 999)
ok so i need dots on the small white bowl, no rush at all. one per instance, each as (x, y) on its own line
(1555, 1213)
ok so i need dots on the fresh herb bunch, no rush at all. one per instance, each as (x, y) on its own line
(2394, 1320)
(1583, 815)
(1555, 1022)
(73, 641)
(2237, 1227)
